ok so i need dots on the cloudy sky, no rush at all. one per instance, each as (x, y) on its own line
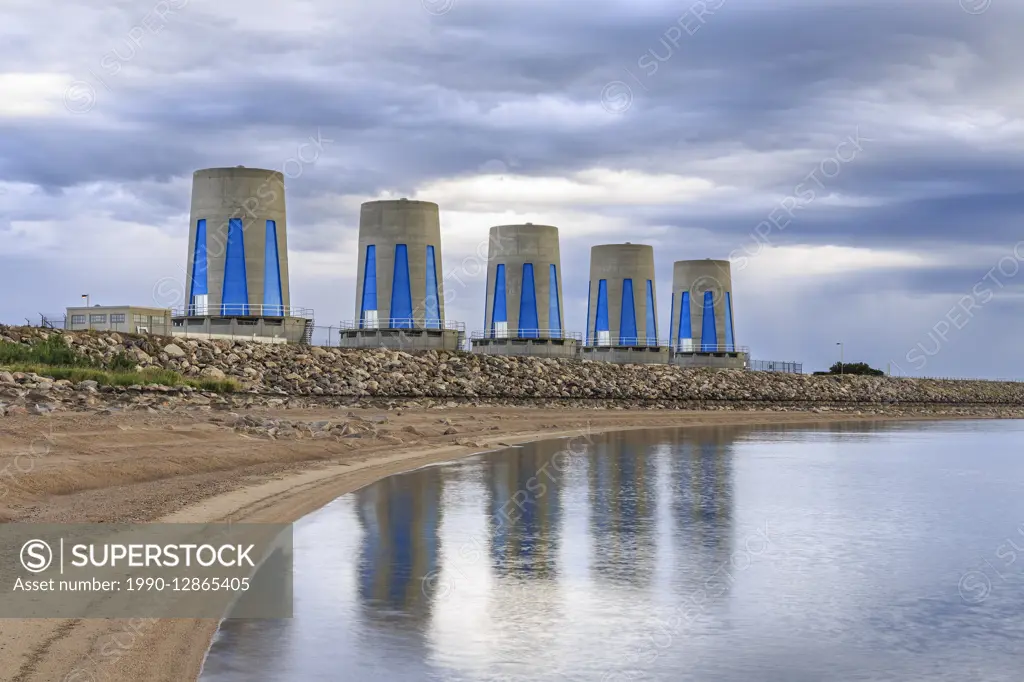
(859, 161)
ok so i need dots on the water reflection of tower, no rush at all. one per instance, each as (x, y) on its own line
(702, 501)
(524, 510)
(623, 508)
(401, 517)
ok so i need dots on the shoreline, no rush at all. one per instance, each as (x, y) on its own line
(192, 468)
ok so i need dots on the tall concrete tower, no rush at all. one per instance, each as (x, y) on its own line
(702, 320)
(622, 308)
(524, 282)
(399, 283)
(237, 245)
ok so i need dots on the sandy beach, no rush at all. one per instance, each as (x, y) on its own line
(193, 468)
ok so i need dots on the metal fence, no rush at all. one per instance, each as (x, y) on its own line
(402, 323)
(528, 334)
(242, 309)
(777, 366)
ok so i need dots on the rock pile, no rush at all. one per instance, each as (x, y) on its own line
(289, 375)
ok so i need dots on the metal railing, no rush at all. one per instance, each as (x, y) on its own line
(710, 348)
(777, 366)
(403, 323)
(241, 310)
(618, 341)
(527, 334)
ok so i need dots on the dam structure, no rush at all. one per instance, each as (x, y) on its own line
(399, 283)
(622, 306)
(237, 263)
(702, 330)
(523, 296)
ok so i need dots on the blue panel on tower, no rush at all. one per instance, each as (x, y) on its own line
(554, 309)
(432, 303)
(273, 300)
(199, 279)
(708, 332)
(499, 310)
(652, 319)
(528, 305)
(729, 340)
(601, 322)
(586, 331)
(671, 318)
(369, 301)
(401, 291)
(235, 294)
(627, 317)
(685, 329)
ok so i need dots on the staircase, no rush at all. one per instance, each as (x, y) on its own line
(307, 333)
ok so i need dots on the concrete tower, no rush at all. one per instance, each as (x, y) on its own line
(237, 245)
(701, 319)
(524, 283)
(622, 305)
(523, 309)
(399, 283)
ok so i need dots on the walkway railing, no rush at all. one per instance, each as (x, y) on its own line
(241, 310)
(710, 348)
(527, 334)
(403, 323)
(617, 341)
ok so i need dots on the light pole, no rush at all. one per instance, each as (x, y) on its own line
(840, 344)
(88, 319)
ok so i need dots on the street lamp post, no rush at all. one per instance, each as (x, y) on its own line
(88, 319)
(840, 344)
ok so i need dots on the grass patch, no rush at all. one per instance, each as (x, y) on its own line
(103, 377)
(53, 351)
(54, 358)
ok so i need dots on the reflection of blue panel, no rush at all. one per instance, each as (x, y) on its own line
(499, 514)
(652, 319)
(627, 316)
(601, 323)
(528, 305)
(708, 333)
(402, 516)
(587, 330)
(729, 341)
(401, 290)
(235, 294)
(432, 302)
(500, 309)
(199, 279)
(369, 283)
(685, 330)
(554, 309)
(273, 303)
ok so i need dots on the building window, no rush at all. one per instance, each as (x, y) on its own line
(98, 319)
(116, 317)
(139, 319)
(78, 319)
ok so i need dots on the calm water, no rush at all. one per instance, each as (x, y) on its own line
(885, 552)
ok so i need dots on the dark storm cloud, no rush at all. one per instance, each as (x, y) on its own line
(749, 96)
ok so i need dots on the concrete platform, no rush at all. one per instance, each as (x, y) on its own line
(627, 355)
(714, 359)
(544, 348)
(402, 339)
(267, 329)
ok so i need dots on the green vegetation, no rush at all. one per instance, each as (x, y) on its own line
(858, 368)
(54, 358)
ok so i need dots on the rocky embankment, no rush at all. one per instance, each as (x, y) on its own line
(291, 376)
